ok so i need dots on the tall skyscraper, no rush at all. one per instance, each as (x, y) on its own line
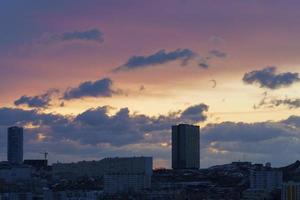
(185, 146)
(15, 145)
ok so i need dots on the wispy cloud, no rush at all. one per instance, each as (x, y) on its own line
(218, 53)
(291, 103)
(92, 35)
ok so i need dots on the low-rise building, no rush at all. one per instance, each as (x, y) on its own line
(255, 194)
(13, 173)
(101, 167)
(124, 183)
(128, 175)
(265, 179)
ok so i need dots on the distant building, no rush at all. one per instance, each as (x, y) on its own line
(13, 173)
(124, 183)
(255, 194)
(290, 191)
(15, 145)
(37, 163)
(128, 175)
(131, 165)
(73, 195)
(185, 147)
(265, 179)
(17, 196)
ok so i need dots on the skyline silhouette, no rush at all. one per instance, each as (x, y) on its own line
(109, 78)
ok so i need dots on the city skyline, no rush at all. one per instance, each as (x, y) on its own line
(109, 78)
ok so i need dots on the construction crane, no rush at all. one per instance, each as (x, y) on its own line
(45, 155)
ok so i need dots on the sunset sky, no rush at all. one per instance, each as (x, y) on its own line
(90, 79)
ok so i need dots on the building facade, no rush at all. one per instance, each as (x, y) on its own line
(36, 163)
(185, 146)
(13, 173)
(290, 191)
(266, 179)
(132, 165)
(124, 183)
(127, 175)
(15, 145)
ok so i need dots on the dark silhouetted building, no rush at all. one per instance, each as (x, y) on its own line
(185, 146)
(15, 145)
(37, 164)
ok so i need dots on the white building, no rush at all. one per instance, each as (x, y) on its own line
(15, 145)
(290, 191)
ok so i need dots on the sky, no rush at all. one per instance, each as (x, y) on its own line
(89, 79)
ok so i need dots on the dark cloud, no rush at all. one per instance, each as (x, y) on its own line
(99, 88)
(39, 101)
(293, 120)
(243, 132)
(268, 78)
(203, 65)
(95, 130)
(88, 35)
(15, 116)
(194, 113)
(291, 103)
(160, 57)
(218, 53)
(257, 142)
(96, 126)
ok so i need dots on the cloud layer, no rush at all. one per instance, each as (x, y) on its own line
(95, 130)
(269, 78)
(83, 136)
(275, 142)
(96, 126)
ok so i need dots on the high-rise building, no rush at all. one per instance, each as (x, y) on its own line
(15, 145)
(185, 146)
